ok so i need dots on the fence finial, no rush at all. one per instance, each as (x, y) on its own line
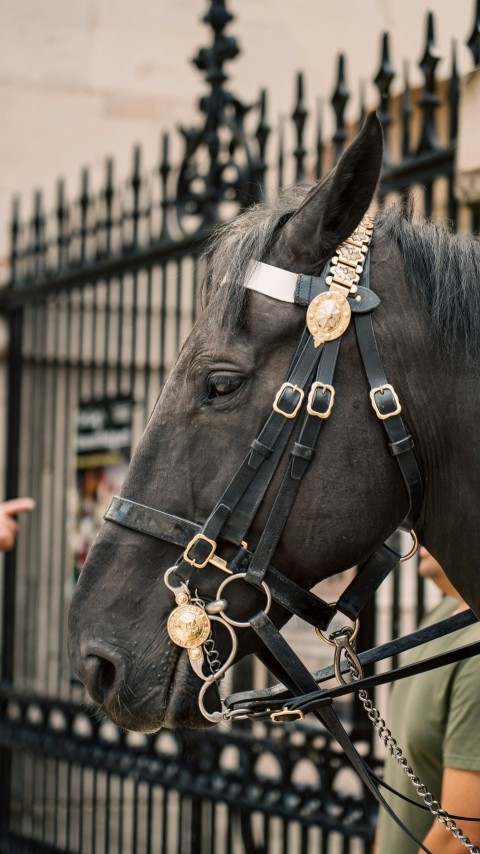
(218, 164)
(474, 41)
(339, 101)
(299, 117)
(383, 81)
(429, 100)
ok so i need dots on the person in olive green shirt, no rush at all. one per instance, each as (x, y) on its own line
(435, 718)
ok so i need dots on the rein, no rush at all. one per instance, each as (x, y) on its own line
(340, 293)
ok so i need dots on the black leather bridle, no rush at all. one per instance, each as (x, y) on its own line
(309, 381)
(308, 391)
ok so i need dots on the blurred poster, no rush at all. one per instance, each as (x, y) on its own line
(103, 447)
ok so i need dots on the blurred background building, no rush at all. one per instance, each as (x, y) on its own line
(83, 81)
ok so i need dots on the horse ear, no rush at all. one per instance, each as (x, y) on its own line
(334, 207)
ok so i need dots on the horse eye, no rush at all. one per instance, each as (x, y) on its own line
(220, 385)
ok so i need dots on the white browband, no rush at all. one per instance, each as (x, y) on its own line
(271, 281)
(345, 268)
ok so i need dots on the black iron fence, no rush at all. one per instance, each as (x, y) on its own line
(102, 293)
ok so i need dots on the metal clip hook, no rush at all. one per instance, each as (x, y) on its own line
(342, 641)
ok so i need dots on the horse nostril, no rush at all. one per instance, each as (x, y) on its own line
(102, 672)
(108, 673)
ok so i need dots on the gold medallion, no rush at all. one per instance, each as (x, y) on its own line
(328, 316)
(188, 626)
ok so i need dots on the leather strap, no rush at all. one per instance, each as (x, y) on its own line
(393, 424)
(366, 582)
(276, 694)
(302, 678)
(307, 704)
(302, 454)
(299, 289)
(287, 404)
(173, 529)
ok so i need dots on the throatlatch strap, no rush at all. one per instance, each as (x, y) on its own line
(387, 408)
(366, 582)
(386, 403)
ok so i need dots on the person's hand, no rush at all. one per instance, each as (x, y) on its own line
(8, 525)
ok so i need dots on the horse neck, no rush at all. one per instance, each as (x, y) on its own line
(441, 401)
(451, 529)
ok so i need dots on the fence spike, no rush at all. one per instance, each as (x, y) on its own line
(15, 233)
(262, 133)
(299, 117)
(319, 146)
(37, 248)
(62, 225)
(362, 108)
(474, 40)
(136, 185)
(164, 171)
(218, 16)
(84, 203)
(406, 110)
(281, 151)
(107, 195)
(383, 81)
(453, 95)
(339, 101)
(429, 100)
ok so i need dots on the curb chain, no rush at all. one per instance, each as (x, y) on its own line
(211, 653)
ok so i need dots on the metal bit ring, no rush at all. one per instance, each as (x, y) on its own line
(242, 625)
(328, 640)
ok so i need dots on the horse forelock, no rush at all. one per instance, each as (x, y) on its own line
(443, 270)
(229, 253)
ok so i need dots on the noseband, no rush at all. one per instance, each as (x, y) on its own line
(341, 293)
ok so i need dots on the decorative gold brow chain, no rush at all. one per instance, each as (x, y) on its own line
(329, 313)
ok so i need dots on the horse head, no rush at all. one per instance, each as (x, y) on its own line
(215, 402)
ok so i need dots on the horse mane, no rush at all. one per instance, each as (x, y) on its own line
(443, 271)
(442, 268)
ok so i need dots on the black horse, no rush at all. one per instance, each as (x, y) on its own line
(220, 394)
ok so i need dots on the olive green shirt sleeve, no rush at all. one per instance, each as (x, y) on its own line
(461, 746)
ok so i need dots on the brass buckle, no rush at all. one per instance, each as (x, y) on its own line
(311, 396)
(222, 564)
(192, 560)
(380, 390)
(274, 717)
(301, 395)
(212, 558)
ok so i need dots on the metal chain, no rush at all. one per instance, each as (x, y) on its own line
(211, 653)
(390, 743)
